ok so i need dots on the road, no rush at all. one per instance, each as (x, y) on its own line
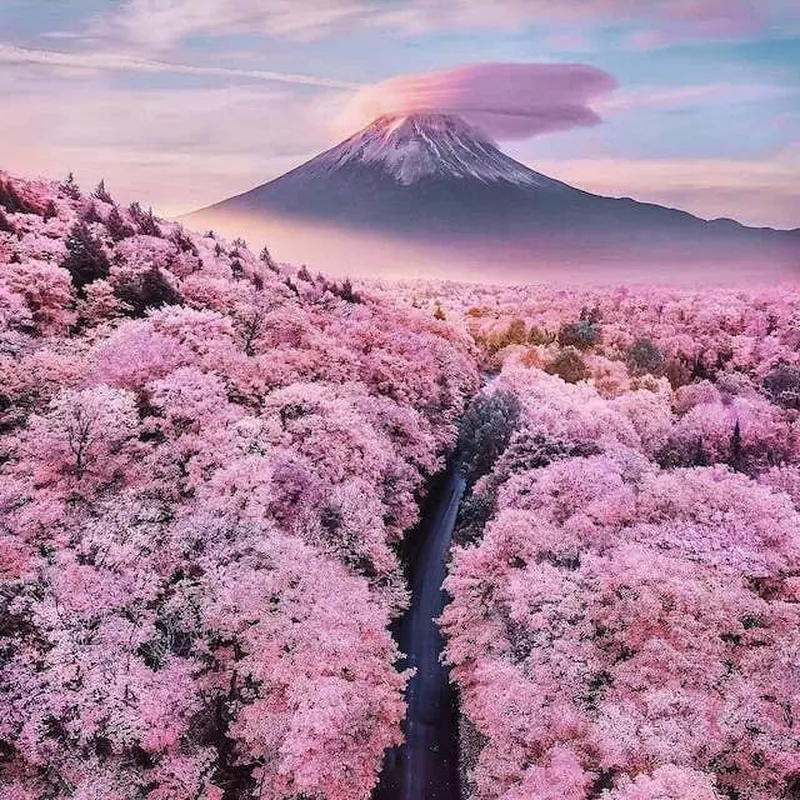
(426, 767)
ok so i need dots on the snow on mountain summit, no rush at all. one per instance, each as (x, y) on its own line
(413, 147)
(439, 184)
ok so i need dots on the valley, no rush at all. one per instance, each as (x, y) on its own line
(400, 400)
(214, 466)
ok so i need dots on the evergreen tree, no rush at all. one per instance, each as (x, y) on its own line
(90, 214)
(643, 357)
(486, 431)
(101, 193)
(184, 241)
(71, 188)
(50, 211)
(5, 223)
(117, 228)
(737, 457)
(85, 261)
(700, 455)
(145, 221)
(347, 293)
(149, 290)
(267, 259)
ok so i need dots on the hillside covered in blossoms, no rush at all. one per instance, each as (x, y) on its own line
(625, 621)
(213, 467)
(208, 464)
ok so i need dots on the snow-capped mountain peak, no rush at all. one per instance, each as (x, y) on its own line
(437, 183)
(413, 147)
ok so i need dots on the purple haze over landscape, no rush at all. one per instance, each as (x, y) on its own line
(399, 400)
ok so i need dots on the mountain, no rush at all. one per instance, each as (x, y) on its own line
(433, 178)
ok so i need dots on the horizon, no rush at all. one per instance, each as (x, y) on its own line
(180, 105)
(402, 115)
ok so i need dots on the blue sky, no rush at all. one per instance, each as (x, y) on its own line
(183, 102)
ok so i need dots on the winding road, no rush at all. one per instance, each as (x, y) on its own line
(426, 766)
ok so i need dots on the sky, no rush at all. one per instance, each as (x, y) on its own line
(180, 103)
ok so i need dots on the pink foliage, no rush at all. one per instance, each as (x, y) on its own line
(86, 438)
(624, 621)
(208, 461)
(45, 289)
(668, 783)
(136, 354)
(205, 472)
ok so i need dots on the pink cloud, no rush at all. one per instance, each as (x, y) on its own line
(651, 21)
(507, 101)
(710, 19)
(668, 19)
(718, 17)
(159, 25)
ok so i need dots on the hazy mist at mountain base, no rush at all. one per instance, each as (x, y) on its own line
(429, 195)
(355, 252)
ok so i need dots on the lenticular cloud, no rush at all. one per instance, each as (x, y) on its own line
(507, 101)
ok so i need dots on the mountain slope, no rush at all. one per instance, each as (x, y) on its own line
(433, 177)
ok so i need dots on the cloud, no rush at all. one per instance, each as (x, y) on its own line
(700, 95)
(175, 149)
(710, 19)
(669, 19)
(115, 62)
(761, 191)
(162, 23)
(507, 101)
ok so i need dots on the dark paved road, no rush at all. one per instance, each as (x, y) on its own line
(426, 767)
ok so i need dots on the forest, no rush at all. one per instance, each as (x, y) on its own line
(207, 466)
(625, 621)
(212, 467)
